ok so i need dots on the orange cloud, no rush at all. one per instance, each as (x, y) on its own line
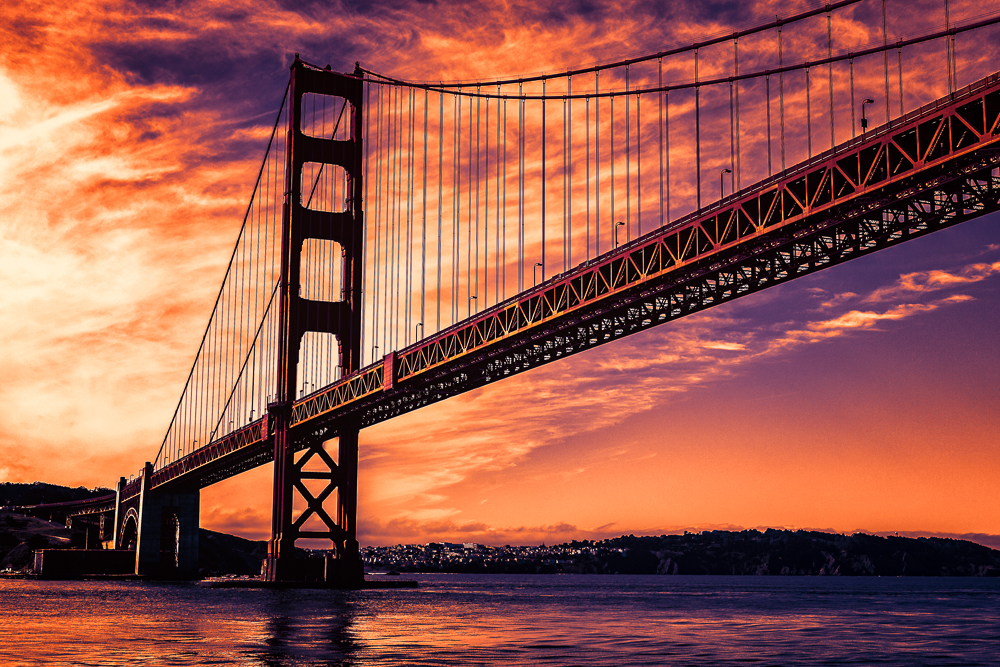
(130, 136)
(931, 281)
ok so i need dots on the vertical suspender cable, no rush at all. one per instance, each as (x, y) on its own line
(423, 226)
(486, 212)
(476, 217)
(307, 277)
(399, 221)
(628, 162)
(659, 145)
(666, 149)
(213, 367)
(732, 138)
(390, 212)
(440, 258)
(390, 171)
(885, 62)
(410, 233)
(276, 249)
(565, 262)
(520, 188)
(406, 205)
(469, 221)
(736, 70)
(364, 195)
(225, 335)
(503, 280)
(781, 101)
(587, 181)
(853, 126)
(767, 85)
(498, 261)
(378, 224)
(390, 134)
(237, 417)
(255, 286)
(373, 204)
(829, 54)
(809, 136)
(899, 61)
(456, 165)
(479, 291)
(569, 176)
(267, 365)
(697, 127)
(597, 163)
(638, 168)
(317, 272)
(397, 218)
(381, 201)
(613, 220)
(954, 63)
(947, 45)
(543, 181)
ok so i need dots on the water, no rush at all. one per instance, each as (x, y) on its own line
(512, 620)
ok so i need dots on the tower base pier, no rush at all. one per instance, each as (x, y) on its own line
(167, 541)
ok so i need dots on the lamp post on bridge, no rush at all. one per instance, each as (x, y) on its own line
(722, 182)
(617, 225)
(534, 272)
(419, 325)
(864, 120)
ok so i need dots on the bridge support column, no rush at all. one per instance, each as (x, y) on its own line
(167, 543)
(343, 567)
(299, 314)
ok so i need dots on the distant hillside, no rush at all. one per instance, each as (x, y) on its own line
(773, 552)
(219, 553)
(38, 493)
(21, 535)
(798, 552)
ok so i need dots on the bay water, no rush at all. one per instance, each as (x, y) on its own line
(458, 619)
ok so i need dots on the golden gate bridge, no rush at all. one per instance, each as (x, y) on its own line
(406, 242)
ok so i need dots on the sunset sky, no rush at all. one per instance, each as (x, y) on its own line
(863, 397)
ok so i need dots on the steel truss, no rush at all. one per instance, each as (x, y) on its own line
(867, 226)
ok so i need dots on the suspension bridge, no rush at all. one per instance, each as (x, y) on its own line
(407, 241)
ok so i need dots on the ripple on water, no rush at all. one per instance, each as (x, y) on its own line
(490, 619)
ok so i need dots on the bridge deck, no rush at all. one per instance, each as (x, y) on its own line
(930, 169)
(96, 505)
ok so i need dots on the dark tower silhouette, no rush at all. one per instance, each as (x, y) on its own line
(297, 316)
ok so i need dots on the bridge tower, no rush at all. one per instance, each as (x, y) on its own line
(297, 316)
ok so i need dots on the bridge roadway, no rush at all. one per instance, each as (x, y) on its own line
(923, 172)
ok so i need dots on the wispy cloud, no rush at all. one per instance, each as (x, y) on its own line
(922, 282)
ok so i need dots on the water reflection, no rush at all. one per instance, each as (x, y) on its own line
(457, 619)
(305, 627)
